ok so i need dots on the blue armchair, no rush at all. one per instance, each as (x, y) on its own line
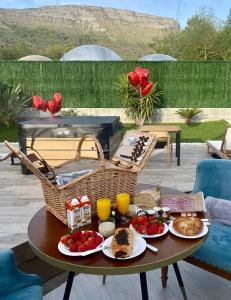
(213, 178)
(14, 284)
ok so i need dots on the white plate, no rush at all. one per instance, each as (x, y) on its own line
(173, 231)
(150, 235)
(64, 250)
(139, 246)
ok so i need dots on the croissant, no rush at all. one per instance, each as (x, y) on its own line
(188, 225)
(122, 243)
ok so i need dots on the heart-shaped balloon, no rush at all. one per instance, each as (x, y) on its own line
(147, 89)
(39, 103)
(133, 78)
(53, 107)
(142, 73)
(58, 99)
(143, 83)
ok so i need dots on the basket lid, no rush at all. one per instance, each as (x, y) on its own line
(135, 149)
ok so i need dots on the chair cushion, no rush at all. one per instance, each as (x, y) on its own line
(219, 210)
(32, 292)
(216, 249)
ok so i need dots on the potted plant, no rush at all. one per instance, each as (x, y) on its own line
(140, 96)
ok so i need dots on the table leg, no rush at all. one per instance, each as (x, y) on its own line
(104, 279)
(178, 134)
(164, 276)
(70, 279)
(143, 284)
(180, 281)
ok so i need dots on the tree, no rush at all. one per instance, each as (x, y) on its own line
(197, 41)
(224, 39)
(200, 35)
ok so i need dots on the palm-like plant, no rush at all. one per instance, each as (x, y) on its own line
(12, 102)
(138, 108)
(188, 113)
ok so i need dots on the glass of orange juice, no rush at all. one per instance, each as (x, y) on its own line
(103, 208)
(123, 201)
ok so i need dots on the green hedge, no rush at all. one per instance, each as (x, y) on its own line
(90, 84)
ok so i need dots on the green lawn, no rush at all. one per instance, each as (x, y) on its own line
(196, 132)
(9, 134)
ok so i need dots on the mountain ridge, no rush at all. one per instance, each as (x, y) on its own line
(126, 32)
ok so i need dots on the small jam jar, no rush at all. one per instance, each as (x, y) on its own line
(166, 213)
(151, 213)
(158, 211)
(140, 212)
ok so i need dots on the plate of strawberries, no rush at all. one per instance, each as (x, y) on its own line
(148, 226)
(80, 242)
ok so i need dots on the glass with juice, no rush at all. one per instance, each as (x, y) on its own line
(103, 208)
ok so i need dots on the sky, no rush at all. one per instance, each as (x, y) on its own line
(180, 10)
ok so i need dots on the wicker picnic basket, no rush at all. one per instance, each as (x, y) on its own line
(109, 179)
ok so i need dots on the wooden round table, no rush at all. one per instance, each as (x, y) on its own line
(44, 234)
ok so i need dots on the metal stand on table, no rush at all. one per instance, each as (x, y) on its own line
(143, 285)
(70, 279)
(178, 137)
(180, 281)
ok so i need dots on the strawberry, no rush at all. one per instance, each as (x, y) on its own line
(160, 228)
(154, 228)
(83, 239)
(91, 239)
(91, 245)
(82, 248)
(73, 247)
(64, 239)
(94, 233)
(141, 219)
(141, 229)
(87, 234)
(98, 240)
(136, 226)
(76, 235)
(151, 230)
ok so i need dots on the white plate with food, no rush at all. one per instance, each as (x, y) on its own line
(165, 230)
(64, 249)
(139, 246)
(176, 233)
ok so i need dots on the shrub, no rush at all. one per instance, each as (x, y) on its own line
(12, 102)
(188, 113)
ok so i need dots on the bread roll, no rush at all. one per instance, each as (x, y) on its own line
(148, 198)
(188, 226)
(122, 243)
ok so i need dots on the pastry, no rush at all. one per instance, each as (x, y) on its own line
(188, 225)
(122, 243)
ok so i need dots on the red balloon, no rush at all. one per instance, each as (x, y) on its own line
(39, 103)
(142, 73)
(53, 107)
(133, 78)
(57, 98)
(147, 89)
(143, 82)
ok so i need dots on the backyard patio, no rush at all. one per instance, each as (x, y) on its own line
(21, 197)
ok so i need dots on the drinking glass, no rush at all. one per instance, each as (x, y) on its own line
(123, 201)
(103, 208)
